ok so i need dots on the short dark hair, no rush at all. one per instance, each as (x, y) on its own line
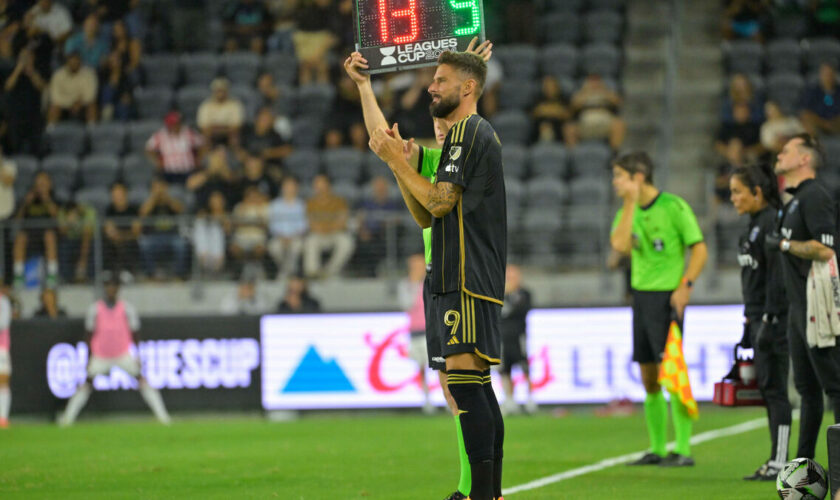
(812, 144)
(636, 162)
(469, 63)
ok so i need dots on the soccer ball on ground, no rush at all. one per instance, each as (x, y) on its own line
(802, 479)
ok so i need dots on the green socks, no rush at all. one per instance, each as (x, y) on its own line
(656, 415)
(465, 484)
(682, 426)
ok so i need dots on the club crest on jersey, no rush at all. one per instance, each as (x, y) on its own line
(658, 245)
(754, 233)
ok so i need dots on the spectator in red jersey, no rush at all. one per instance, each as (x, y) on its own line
(175, 149)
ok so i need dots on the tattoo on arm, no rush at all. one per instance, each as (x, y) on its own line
(442, 198)
(811, 250)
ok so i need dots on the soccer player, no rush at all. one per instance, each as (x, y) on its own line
(513, 327)
(426, 161)
(465, 207)
(655, 228)
(755, 192)
(5, 360)
(808, 228)
(112, 325)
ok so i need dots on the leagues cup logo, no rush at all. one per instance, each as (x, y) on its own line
(388, 55)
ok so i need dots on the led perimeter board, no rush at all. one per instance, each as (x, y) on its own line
(395, 35)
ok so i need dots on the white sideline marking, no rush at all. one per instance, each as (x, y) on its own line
(741, 428)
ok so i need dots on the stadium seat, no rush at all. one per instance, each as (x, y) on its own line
(137, 171)
(515, 162)
(545, 191)
(601, 59)
(139, 133)
(107, 137)
(560, 27)
(603, 26)
(100, 170)
(831, 150)
(785, 90)
(607, 4)
(137, 195)
(790, 25)
(315, 99)
(539, 229)
(517, 94)
(515, 192)
(343, 164)
(249, 97)
(347, 190)
(283, 67)
(563, 5)
(549, 160)
(153, 102)
(519, 61)
(820, 50)
(307, 132)
(374, 166)
(97, 197)
(27, 167)
(200, 68)
(189, 99)
(303, 164)
(592, 191)
(161, 70)
(591, 159)
(66, 138)
(287, 102)
(513, 127)
(744, 56)
(783, 56)
(559, 60)
(62, 169)
(241, 67)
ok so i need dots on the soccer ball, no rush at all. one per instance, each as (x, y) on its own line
(802, 479)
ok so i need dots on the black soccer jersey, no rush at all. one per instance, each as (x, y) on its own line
(810, 215)
(469, 244)
(761, 271)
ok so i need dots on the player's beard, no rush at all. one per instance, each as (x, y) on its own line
(445, 106)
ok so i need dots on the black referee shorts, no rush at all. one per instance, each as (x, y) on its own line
(468, 325)
(433, 339)
(652, 315)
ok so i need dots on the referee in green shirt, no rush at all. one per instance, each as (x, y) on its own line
(655, 228)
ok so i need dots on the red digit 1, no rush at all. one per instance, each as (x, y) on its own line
(383, 21)
(411, 13)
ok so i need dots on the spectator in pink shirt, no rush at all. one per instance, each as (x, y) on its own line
(175, 149)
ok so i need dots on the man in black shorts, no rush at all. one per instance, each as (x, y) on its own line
(514, 339)
(466, 210)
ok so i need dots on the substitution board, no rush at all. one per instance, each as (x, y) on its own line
(395, 35)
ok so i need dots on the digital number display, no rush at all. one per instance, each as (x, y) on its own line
(402, 34)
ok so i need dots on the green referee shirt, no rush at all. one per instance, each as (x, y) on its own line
(661, 233)
(429, 160)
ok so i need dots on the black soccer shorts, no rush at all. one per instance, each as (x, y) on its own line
(468, 325)
(514, 353)
(652, 315)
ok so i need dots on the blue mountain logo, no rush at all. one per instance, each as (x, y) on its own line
(315, 374)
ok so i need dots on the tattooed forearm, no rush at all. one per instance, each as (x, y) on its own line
(442, 198)
(811, 250)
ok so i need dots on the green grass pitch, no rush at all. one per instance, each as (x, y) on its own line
(401, 456)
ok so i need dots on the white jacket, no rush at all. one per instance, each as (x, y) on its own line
(823, 294)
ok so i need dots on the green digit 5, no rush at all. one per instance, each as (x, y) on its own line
(475, 16)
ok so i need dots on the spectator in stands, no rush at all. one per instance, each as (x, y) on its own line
(741, 92)
(76, 223)
(220, 116)
(122, 231)
(246, 299)
(412, 111)
(313, 40)
(821, 104)
(250, 220)
(116, 98)
(347, 111)
(826, 16)
(36, 213)
(596, 107)
(72, 92)
(216, 176)
(210, 234)
(375, 213)
(552, 115)
(268, 90)
(50, 17)
(88, 43)
(297, 299)
(246, 25)
(8, 174)
(175, 149)
(778, 128)
(742, 19)
(742, 129)
(734, 157)
(49, 308)
(128, 49)
(287, 225)
(188, 19)
(254, 176)
(262, 141)
(24, 88)
(327, 215)
(160, 230)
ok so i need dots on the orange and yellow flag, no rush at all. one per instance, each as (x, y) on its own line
(673, 372)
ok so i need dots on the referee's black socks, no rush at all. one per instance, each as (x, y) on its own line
(477, 426)
(499, 436)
